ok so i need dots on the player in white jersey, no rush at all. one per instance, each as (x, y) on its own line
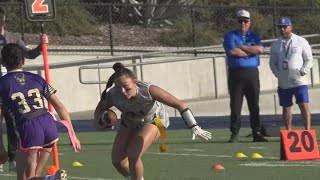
(290, 60)
(141, 104)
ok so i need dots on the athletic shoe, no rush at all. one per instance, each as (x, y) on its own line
(259, 138)
(1, 167)
(12, 166)
(61, 175)
(233, 138)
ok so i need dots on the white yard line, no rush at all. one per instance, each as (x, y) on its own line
(69, 177)
(257, 147)
(275, 164)
(310, 163)
(193, 150)
(185, 154)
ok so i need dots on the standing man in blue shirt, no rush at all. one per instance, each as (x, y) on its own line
(242, 48)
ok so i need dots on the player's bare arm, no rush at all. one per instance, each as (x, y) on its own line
(63, 114)
(166, 98)
(103, 106)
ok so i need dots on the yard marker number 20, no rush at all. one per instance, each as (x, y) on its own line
(299, 144)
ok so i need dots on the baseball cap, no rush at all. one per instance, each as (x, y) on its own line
(284, 21)
(243, 13)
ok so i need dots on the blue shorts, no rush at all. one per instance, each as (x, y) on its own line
(300, 93)
(38, 132)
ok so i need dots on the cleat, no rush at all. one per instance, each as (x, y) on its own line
(12, 166)
(61, 175)
(1, 167)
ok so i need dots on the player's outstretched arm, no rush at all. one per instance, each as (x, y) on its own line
(64, 115)
(33, 53)
(168, 99)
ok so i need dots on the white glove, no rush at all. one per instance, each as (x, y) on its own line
(197, 131)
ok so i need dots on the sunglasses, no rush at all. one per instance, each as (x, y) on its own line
(243, 21)
(282, 26)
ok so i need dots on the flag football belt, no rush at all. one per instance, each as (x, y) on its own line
(162, 129)
(29, 116)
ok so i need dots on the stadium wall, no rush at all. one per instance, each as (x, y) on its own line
(201, 83)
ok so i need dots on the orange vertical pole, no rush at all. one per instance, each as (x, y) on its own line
(47, 77)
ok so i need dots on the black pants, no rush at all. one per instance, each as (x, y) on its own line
(11, 136)
(244, 82)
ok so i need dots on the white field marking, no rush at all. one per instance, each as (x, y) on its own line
(202, 155)
(69, 177)
(184, 154)
(193, 150)
(257, 147)
(274, 164)
(272, 158)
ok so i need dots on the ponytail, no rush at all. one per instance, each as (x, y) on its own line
(110, 81)
(117, 67)
(119, 70)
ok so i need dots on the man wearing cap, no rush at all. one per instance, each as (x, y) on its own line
(290, 61)
(242, 47)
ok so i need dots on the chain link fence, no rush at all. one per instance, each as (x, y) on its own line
(117, 28)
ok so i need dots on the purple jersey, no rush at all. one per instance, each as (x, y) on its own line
(23, 93)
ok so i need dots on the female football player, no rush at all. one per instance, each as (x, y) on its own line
(22, 94)
(141, 105)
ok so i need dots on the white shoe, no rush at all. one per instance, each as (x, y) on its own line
(12, 166)
(1, 167)
(61, 175)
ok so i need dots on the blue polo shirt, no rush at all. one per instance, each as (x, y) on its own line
(233, 39)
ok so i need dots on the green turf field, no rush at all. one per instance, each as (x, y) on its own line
(186, 159)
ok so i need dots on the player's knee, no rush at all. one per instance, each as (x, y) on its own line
(133, 155)
(120, 163)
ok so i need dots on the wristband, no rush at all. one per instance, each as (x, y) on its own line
(188, 118)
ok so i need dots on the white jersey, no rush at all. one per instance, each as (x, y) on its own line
(141, 109)
(287, 58)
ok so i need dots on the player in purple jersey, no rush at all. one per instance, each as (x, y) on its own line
(23, 95)
(7, 37)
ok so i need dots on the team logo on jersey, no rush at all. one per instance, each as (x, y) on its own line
(20, 78)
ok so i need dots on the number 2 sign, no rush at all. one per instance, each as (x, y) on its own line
(299, 145)
(40, 10)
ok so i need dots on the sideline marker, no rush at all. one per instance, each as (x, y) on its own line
(298, 145)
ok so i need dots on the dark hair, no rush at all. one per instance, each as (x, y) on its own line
(120, 70)
(12, 55)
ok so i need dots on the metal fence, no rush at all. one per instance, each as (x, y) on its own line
(117, 28)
